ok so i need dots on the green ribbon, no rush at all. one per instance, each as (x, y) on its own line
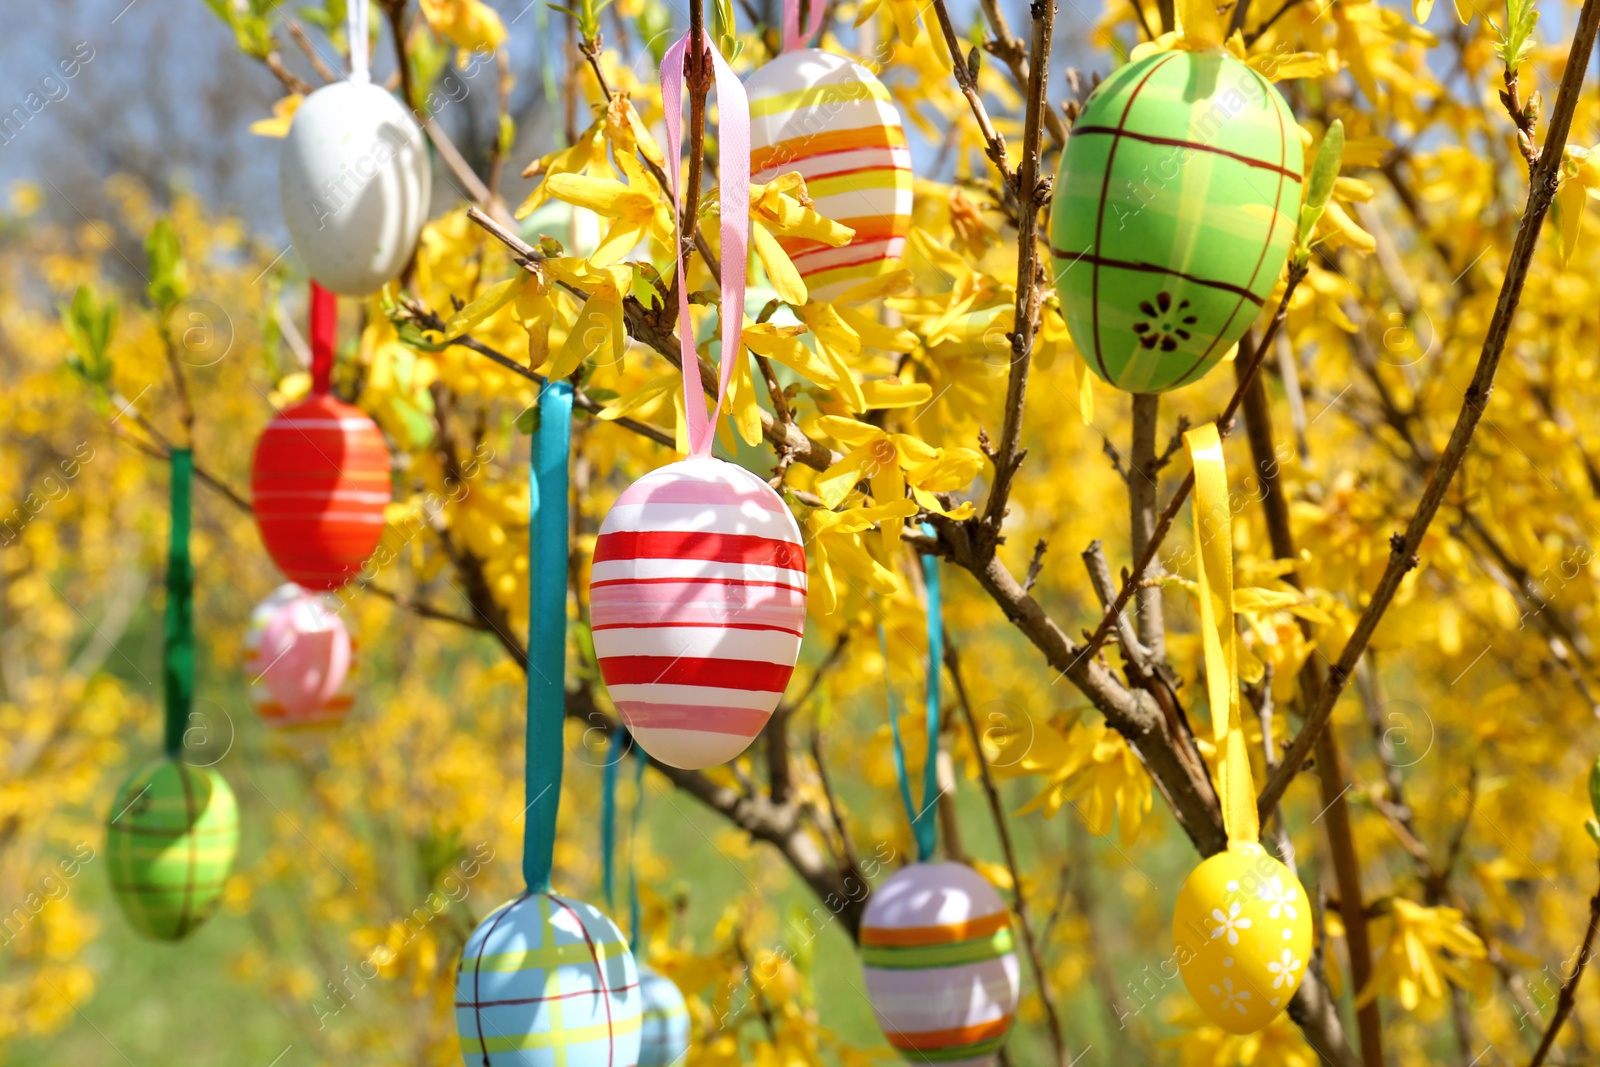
(547, 630)
(923, 823)
(177, 655)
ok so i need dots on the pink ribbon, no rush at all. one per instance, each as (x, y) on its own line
(734, 182)
(792, 37)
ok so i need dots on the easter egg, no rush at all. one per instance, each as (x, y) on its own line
(319, 483)
(940, 964)
(546, 981)
(1173, 214)
(171, 837)
(298, 658)
(664, 1035)
(698, 603)
(830, 119)
(354, 182)
(1242, 929)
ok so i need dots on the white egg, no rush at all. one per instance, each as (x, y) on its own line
(354, 181)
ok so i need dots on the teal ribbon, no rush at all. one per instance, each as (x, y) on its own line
(177, 653)
(547, 629)
(924, 825)
(633, 870)
(621, 744)
(608, 817)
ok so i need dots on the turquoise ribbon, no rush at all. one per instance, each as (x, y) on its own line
(633, 870)
(924, 825)
(177, 651)
(547, 629)
(608, 817)
(621, 744)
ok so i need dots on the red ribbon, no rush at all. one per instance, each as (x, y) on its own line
(324, 321)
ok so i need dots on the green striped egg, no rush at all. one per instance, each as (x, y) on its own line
(1173, 214)
(171, 839)
(940, 964)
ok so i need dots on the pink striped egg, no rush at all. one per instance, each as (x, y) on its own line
(698, 603)
(298, 658)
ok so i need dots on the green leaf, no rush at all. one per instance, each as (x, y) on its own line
(1594, 787)
(1319, 190)
(1516, 40)
(90, 325)
(1594, 830)
(168, 273)
(528, 421)
(725, 28)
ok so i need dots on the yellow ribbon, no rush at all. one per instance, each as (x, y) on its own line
(1213, 532)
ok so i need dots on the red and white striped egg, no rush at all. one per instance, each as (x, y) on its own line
(698, 603)
(319, 483)
(298, 659)
(833, 121)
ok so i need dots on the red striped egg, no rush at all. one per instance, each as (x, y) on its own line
(698, 604)
(834, 122)
(319, 482)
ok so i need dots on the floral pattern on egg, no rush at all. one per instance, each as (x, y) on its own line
(1242, 931)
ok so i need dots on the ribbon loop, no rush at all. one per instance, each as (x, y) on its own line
(547, 630)
(1213, 532)
(324, 321)
(177, 650)
(734, 183)
(792, 36)
(357, 29)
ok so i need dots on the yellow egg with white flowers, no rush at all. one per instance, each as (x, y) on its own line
(1242, 929)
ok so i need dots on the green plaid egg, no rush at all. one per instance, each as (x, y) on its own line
(1173, 214)
(171, 838)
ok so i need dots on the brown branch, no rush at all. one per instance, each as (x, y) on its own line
(290, 80)
(1033, 190)
(1569, 988)
(580, 399)
(1143, 484)
(1331, 770)
(1002, 826)
(1169, 515)
(1402, 556)
(967, 79)
(395, 11)
(324, 71)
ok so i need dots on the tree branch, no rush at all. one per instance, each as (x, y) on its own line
(1569, 988)
(1402, 556)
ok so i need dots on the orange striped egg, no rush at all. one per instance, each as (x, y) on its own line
(298, 659)
(319, 482)
(834, 122)
(940, 964)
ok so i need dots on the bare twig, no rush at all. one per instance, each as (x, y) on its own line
(1002, 826)
(1169, 514)
(1143, 483)
(324, 71)
(1403, 548)
(1331, 770)
(1569, 988)
(1033, 191)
